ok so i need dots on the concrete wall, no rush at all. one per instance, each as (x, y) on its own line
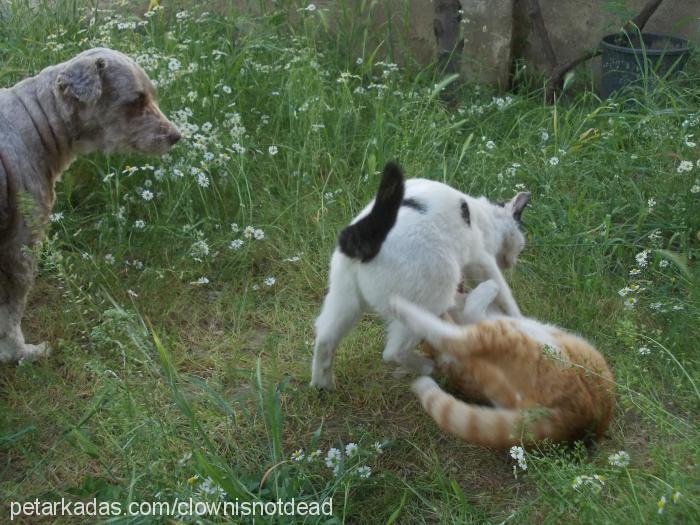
(496, 31)
(576, 25)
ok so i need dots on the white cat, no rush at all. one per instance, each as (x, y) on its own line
(417, 240)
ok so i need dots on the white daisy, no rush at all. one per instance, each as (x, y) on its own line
(333, 458)
(684, 167)
(620, 458)
(365, 471)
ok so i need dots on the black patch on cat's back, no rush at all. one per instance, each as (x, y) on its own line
(465, 212)
(363, 239)
(417, 205)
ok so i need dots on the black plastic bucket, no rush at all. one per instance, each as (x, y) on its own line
(631, 60)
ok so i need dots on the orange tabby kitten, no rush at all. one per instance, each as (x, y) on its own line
(543, 382)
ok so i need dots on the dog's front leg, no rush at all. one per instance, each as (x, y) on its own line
(16, 276)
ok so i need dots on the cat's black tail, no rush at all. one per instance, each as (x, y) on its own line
(363, 239)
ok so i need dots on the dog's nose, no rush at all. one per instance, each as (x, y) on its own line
(173, 137)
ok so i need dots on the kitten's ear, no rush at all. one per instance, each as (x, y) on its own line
(517, 204)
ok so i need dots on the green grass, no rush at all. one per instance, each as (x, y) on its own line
(154, 380)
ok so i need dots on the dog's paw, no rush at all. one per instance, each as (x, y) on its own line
(323, 383)
(31, 353)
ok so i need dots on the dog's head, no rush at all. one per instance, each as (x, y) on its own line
(111, 104)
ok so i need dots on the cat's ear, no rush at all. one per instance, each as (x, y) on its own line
(517, 204)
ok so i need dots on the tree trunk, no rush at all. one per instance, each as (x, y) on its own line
(643, 17)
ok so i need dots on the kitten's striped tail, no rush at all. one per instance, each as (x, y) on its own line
(363, 239)
(480, 425)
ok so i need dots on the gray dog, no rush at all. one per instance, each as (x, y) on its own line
(99, 100)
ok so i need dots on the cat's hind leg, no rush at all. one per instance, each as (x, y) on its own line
(505, 299)
(400, 348)
(478, 301)
(422, 323)
(455, 311)
(490, 381)
(342, 308)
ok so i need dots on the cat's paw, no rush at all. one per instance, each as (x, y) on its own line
(416, 363)
(426, 367)
(488, 288)
(417, 369)
(479, 301)
(400, 372)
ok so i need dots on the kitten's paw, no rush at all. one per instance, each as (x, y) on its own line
(31, 353)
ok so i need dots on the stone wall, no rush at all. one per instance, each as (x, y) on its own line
(576, 25)
(497, 31)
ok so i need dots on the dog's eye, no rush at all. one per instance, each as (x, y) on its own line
(136, 105)
(138, 102)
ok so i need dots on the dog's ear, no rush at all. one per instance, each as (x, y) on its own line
(81, 80)
(517, 204)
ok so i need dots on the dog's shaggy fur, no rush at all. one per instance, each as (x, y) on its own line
(99, 100)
